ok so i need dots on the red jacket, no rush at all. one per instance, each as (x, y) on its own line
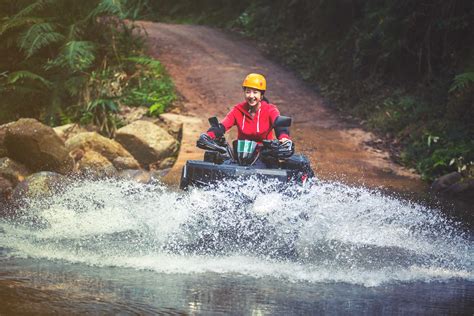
(257, 128)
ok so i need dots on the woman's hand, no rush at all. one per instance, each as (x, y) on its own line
(286, 148)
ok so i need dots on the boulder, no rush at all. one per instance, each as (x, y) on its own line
(147, 142)
(443, 183)
(95, 165)
(39, 185)
(464, 188)
(122, 163)
(454, 185)
(37, 146)
(167, 163)
(13, 171)
(130, 114)
(6, 191)
(173, 123)
(69, 130)
(3, 131)
(108, 148)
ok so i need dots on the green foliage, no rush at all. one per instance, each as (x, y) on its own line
(462, 82)
(101, 112)
(150, 86)
(38, 36)
(395, 113)
(101, 99)
(74, 56)
(66, 61)
(22, 76)
(435, 156)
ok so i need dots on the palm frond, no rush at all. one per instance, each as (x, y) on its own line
(38, 36)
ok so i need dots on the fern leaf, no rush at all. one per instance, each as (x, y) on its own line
(36, 6)
(39, 36)
(21, 75)
(145, 61)
(75, 55)
(108, 7)
(74, 32)
(462, 81)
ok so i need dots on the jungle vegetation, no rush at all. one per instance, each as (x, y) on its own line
(404, 69)
(76, 61)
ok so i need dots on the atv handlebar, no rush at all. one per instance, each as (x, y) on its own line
(207, 143)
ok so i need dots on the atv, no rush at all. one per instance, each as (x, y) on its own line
(270, 160)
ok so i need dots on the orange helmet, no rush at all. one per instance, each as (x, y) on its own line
(255, 81)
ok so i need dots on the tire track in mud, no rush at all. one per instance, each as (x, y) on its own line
(208, 66)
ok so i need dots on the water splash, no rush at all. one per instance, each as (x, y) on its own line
(325, 232)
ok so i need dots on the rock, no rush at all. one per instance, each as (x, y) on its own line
(122, 163)
(92, 141)
(39, 185)
(95, 165)
(454, 185)
(140, 176)
(37, 146)
(147, 142)
(388, 170)
(167, 163)
(130, 114)
(443, 183)
(13, 171)
(173, 123)
(6, 191)
(3, 131)
(159, 174)
(69, 130)
(465, 187)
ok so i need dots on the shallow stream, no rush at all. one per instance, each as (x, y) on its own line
(251, 248)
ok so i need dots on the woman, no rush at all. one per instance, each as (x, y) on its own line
(253, 117)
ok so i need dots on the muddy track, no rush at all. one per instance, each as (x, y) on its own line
(208, 65)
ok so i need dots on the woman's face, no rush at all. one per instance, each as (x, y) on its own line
(253, 96)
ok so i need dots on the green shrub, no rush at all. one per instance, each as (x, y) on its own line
(437, 155)
(150, 86)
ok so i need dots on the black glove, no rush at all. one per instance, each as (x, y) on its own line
(205, 138)
(206, 142)
(286, 149)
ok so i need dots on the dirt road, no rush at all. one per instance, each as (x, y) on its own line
(208, 66)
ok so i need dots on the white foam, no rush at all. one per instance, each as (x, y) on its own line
(345, 234)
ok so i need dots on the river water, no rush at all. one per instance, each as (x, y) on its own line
(240, 248)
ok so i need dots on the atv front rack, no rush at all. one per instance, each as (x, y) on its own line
(201, 173)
